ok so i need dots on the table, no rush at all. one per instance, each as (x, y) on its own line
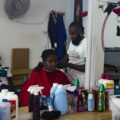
(24, 115)
(115, 107)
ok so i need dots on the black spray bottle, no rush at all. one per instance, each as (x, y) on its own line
(36, 107)
(30, 106)
(36, 102)
(31, 98)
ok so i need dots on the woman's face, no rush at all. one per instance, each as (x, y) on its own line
(50, 63)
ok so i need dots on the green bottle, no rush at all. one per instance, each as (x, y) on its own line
(101, 98)
(76, 83)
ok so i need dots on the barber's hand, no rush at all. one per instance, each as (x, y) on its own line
(64, 62)
(66, 59)
(70, 65)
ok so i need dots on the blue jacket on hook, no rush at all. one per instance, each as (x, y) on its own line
(57, 34)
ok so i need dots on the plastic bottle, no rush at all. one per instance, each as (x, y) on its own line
(101, 98)
(107, 105)
(5, 91)
(50, 104)
(4, 110)
(52, 92)
(91, 102)
(53, 89)
(31, 98)
(36, 102)
(13, 100)
(36, 106)
(117, 90)
(60, 101)
(3, 94)
(30, 104)
(77, 83)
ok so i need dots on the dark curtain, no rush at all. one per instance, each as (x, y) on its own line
(78, 9)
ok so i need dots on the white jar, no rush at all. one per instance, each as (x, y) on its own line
(13, 100)
(3, 94)
(5, 110)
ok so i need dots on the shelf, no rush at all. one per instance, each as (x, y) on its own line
(21, 71)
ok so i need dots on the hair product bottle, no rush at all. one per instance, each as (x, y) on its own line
(36, 106)
(91, 102)
(101, 98)
(13, 100)
(52, 92)
(36, 102)
(4, 110)
(31, 98)
(60, 101)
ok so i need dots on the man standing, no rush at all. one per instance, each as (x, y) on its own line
(76, 57)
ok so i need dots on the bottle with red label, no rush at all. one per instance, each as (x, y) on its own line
(13, 100)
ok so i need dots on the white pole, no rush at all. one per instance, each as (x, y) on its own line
(91, 45)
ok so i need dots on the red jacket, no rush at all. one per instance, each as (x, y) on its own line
(42, 78)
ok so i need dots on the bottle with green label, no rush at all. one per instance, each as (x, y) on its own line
(77, 83)
(101, 98)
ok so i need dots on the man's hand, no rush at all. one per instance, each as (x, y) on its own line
(66, 59)
(63, 63)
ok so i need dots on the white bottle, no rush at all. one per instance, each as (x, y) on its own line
(3, 94)
(91, 102)
(4, 91)
(60, 101)
(13, 100)
(5, 110)
(53, 89)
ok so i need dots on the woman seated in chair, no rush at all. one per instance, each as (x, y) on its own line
(45, 74)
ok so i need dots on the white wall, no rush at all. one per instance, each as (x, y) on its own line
(30, 31)
(110, 37)
(85, 19)
(99, 56)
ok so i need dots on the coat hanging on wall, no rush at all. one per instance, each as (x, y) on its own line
(16, 8)
(57, 33)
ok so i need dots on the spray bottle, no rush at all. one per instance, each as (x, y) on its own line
(101, 98)
(36, 102)
(31, 98)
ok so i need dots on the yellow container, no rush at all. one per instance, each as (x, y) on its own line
(109, 85)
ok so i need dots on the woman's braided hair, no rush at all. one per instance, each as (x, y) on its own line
(45, 54)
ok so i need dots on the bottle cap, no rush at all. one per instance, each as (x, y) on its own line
(90, 95)
(60, 86)
(32, 87)
(117, 86)
(10, 93)
(4, 90)
(55, 84)
(101, 88)
(31, 92)
(108, 76)
(36, 93)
